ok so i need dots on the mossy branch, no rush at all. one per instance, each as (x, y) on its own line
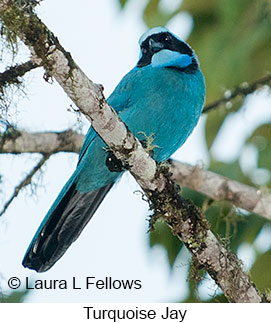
(12, 74)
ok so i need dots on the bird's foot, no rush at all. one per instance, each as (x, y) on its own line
(114, 164)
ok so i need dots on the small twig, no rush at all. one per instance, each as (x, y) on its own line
(26, 181)
(11, 75)
(241, 90)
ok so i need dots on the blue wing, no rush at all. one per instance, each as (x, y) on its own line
(77, 201)
(119, 100)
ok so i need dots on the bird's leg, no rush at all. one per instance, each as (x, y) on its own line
(113, 163)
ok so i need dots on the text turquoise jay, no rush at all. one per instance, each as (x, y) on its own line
(162, 96)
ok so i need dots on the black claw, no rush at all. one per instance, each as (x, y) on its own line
(114, 164)
(144, 143)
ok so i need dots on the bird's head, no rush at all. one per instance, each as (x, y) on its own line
(159, 47)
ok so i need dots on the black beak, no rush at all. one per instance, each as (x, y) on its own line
(155, 45)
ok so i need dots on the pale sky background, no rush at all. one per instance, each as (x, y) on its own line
(104, 42)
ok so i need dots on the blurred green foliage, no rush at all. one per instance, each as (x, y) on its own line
(14, 297)
(261, 139)
(233, 42)
(123, 3)
(260, 271)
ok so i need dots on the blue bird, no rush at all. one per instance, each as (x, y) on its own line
(162, 96)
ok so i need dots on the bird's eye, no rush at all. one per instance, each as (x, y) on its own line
(144, 50)
(167, 38)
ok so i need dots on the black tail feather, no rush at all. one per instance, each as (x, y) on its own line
(62, 227)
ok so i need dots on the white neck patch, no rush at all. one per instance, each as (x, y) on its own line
(153, 31)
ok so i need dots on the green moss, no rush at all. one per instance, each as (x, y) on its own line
(196, 273)
(9, 40)
(21, 21)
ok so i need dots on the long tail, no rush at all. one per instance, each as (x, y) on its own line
(62, 225)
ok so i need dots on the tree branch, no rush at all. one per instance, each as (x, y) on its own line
(12, 74)
(26, 181)
(241, 90)
(222, 188)
(48, 143)
(209, 183)
(186, 220)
